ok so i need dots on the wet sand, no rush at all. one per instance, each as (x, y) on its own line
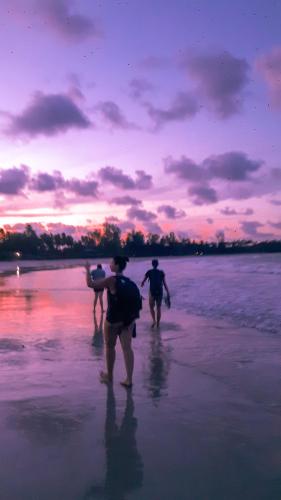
(202, 421)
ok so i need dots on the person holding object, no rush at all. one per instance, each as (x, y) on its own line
(97, 274)
(123, 308)
(157, 280)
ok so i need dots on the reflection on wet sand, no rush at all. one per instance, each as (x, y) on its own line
(124, 465)
(47, 420)
(21, 300)
(159, 364)
(97, 341)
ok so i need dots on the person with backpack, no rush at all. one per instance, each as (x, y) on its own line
(157, 280)
(124, 303)
(96, 274)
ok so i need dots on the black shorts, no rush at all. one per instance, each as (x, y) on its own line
(156, 298)
(97, 290)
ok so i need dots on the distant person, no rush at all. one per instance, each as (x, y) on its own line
(98, 274)
(157, 280)
(123, 307)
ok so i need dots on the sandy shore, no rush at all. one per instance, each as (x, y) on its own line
(202, 421)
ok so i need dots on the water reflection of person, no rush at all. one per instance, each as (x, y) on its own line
(124, 466)
(159, 363)
(97, 340)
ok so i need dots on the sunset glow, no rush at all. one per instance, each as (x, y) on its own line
(153, 115)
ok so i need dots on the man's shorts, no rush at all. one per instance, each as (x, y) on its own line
(156, 299)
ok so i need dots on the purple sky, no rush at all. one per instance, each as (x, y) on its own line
(160, 115)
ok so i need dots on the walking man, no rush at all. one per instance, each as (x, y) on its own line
(157, 280)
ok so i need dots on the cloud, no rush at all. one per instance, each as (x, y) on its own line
(228, 211)
(48, 115)
(58, 16)
(276, 225)
(221, 79)
(203, 195)
(124, 225)
(153, 227)
(116, 177)
(20, 227)
(13, 180)
(125, 200)
(184, 106)
(113, 115)
(232, 166)
(140, 214)
(275, 202)
(233, 175)
(53, 182)
(184, 168)
(171, 212)
(269, 66)
(210, 220)
(143, 180)
(139, 87)
(251, 228)
(233, 211)
(83, 187)
(47, 182)
(247, 211)
(31, 215)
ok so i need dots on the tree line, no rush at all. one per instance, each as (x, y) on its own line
(108, 241)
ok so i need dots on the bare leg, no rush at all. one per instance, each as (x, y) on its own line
(101, 300)
(158, 314)
(110, 360)
(126, 343)
(95, 301)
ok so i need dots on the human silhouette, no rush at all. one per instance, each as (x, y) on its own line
(98, 274)
(157, 280)
(97, 341)
(124, 466)
(159, 364)
(123, 306)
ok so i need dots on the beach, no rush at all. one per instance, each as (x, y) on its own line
(202, 421)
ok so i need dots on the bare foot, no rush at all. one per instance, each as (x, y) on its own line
(158, 325)
(153, 324)
(126, 384)
(104, 378)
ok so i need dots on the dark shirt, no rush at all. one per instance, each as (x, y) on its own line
(156, 279)
(98, 274)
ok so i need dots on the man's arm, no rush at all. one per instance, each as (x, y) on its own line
(166, 286)
(144, 279)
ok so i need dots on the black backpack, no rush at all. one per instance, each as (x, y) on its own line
(129, 299)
